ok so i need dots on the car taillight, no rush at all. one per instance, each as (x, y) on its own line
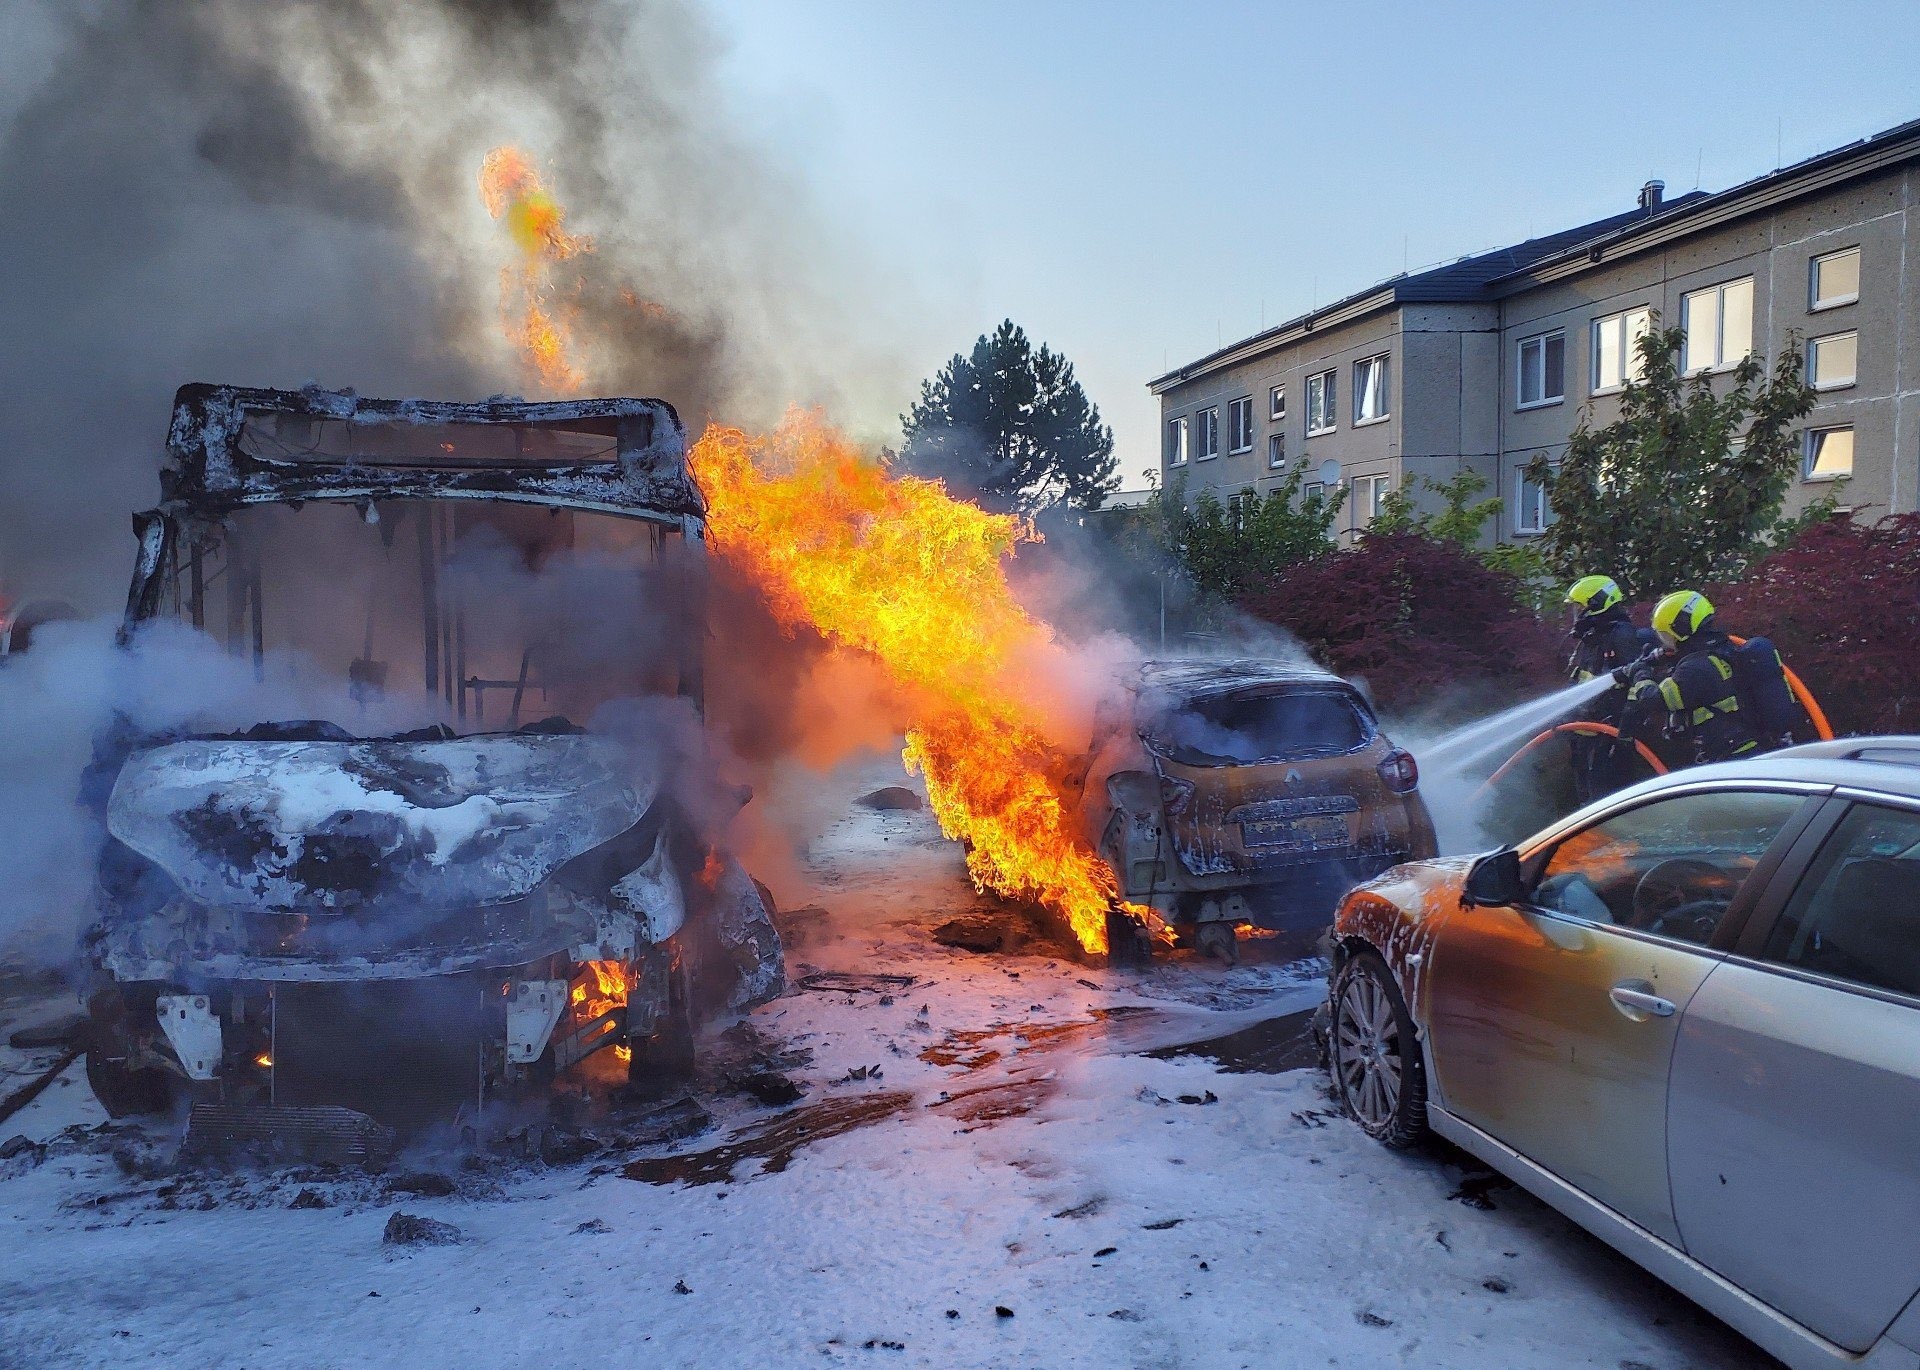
(1174, 795)
(1400, 771)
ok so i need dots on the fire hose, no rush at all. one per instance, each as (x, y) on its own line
(1815, 714)
(1591, 729)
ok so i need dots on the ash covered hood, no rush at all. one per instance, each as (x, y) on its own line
(319, 827)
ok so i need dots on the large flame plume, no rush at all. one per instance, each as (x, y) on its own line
(883, 564)
(895, 567)
(538, 323)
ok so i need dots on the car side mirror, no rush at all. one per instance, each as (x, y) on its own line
(1493, 881)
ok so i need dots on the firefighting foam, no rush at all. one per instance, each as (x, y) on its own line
(537, 325)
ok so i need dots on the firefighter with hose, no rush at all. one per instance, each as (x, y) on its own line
(1605, 642)
(1730, 699)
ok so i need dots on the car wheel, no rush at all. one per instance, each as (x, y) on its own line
(1217, 942)
(1376, 1061)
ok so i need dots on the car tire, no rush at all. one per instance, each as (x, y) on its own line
(1218, 942)
(1377, 1068)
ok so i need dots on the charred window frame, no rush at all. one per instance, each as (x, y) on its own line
(219, 576)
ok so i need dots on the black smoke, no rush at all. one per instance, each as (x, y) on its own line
(273, 194)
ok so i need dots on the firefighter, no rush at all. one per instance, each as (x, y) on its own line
(1605, 642)
(1730, 699)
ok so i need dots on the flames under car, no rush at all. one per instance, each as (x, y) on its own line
(305, 926)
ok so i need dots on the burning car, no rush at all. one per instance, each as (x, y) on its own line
(1228, 792)
(458, 887)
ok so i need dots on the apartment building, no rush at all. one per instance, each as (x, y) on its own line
(1486, 363)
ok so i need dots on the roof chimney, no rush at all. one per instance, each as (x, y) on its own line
(1650, 194)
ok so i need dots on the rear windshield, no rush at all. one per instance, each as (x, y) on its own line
(1244, 729)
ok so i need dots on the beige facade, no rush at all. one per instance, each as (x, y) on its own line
(1474, 350)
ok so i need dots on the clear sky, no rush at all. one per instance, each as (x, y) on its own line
(1136, 183)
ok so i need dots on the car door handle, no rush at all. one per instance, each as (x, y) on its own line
(1633, 1001)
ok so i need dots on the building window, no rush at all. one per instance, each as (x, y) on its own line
(1320, 388)
(1277, 402)
(1368, 491)
(1208, 437)
(1276, 451)
(1829, 453)
(1835, 279)
(1832, 360)
(1370, 389)
(1240, 425)
(1530, 511)
(1543, 370)
(1616, 351)
(1719, 325)
(1313, 491)
(1177, 441)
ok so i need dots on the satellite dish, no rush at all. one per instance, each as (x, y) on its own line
(1330, 472)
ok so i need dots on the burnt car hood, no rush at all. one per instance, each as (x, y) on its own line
(318, 827)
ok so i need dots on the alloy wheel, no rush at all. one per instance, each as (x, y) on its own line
(1367, 1052)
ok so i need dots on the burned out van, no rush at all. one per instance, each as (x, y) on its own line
(457, 849)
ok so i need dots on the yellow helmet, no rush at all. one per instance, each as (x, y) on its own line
(1594, 594)
(1680, 615)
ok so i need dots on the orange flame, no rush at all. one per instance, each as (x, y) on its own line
(600, 988)
(512, 193)
(896, 567)
(890, 566)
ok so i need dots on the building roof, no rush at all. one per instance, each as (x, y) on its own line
(1491, 276)
(1697, 212)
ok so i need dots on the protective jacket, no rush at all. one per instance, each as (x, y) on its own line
(1704, 696)
(1603, 642)
(1606, 641)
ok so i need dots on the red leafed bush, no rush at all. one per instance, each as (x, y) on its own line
(1415, 616)
(1842, 603)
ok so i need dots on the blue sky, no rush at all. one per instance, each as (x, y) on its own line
(1135, 183)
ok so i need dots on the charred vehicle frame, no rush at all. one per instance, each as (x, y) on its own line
(313, 922)
(1247, 791)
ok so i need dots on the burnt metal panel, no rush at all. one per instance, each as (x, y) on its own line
(209, 471)
(406, 1052)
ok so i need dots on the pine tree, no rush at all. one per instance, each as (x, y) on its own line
(1011, 426)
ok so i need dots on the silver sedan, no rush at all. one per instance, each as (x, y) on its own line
(1688, 1017)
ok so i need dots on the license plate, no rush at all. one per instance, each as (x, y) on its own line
(1311, 833)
